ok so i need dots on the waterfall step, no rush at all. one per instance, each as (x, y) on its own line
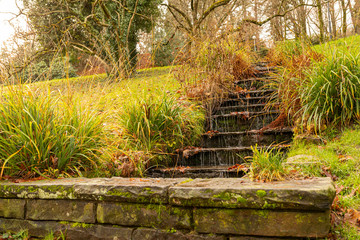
(261, 107)
(265, 68)
(247, 138)
(246, 101)
(257, 82)
(197, 172)
(227, 156)
(242, 121)
(251, 93)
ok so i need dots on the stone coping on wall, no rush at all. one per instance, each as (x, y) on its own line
(309, 194)
(225, 208)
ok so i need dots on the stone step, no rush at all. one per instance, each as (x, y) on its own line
(256, 82)
(261, 64)
(196, 172)
(242, 121)
(262, 107)
(246, 101)
(218, 156)
(251, 93)
(265, 68)
(247, 138)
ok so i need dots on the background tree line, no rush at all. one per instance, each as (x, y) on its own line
(67, 36)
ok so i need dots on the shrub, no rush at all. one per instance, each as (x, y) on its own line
(212, 68)
(61, 68)
(286, 50)
(41, 71)
(331, 93)
(160, 126)
(38, 136)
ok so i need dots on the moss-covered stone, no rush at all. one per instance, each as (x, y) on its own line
(262, 222)
(156, 234)
(61, 210)
(313, 194)
(74, 231)
(144, 215)
(12, 208)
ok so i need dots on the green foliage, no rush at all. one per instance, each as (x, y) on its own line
(212, 69)
(331, 94)
(41, 71)
(166, 50)
(267, 164)
(161, 125)
(285, 51)
(40, 133)
(21, 235)
(108, 29)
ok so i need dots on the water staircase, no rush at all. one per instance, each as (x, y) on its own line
(236, 125)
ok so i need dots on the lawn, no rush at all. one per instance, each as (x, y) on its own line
(337, 155)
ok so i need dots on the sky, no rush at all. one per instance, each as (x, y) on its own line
(7, 7)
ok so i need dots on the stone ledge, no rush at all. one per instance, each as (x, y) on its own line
(235, 208)
(314, 194)
(135, 190)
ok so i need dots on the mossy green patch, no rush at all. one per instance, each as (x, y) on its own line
(81, 225)
(261, 193)
(120, 193)
(186, 181)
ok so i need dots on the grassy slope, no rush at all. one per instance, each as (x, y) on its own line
(107, 98)
(340, 157)
(344, 45)
(111, 96)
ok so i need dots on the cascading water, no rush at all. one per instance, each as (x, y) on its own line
(235, 126)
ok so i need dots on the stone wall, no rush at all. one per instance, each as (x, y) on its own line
(139, 209)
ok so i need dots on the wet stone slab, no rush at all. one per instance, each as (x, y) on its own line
(314, 194)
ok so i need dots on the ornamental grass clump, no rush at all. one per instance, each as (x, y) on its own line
(331, 92)
(267, 165)
(161, 125)
(41, 135)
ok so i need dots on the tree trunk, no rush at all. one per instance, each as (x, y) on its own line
(333, 19)
(355, 15)
(302, 19)
(344, 15)
(321, 21)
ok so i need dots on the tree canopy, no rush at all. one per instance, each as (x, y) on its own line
(106, 29)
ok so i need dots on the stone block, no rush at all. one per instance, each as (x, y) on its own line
(136, 190)
(98, 232)
(44, 189)
(12, 208)
(73, 231)
(256, 238)
(315, 194)
(35, 228)
(143, 215)
(61, 210)
(156, 234)
(251, 222)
